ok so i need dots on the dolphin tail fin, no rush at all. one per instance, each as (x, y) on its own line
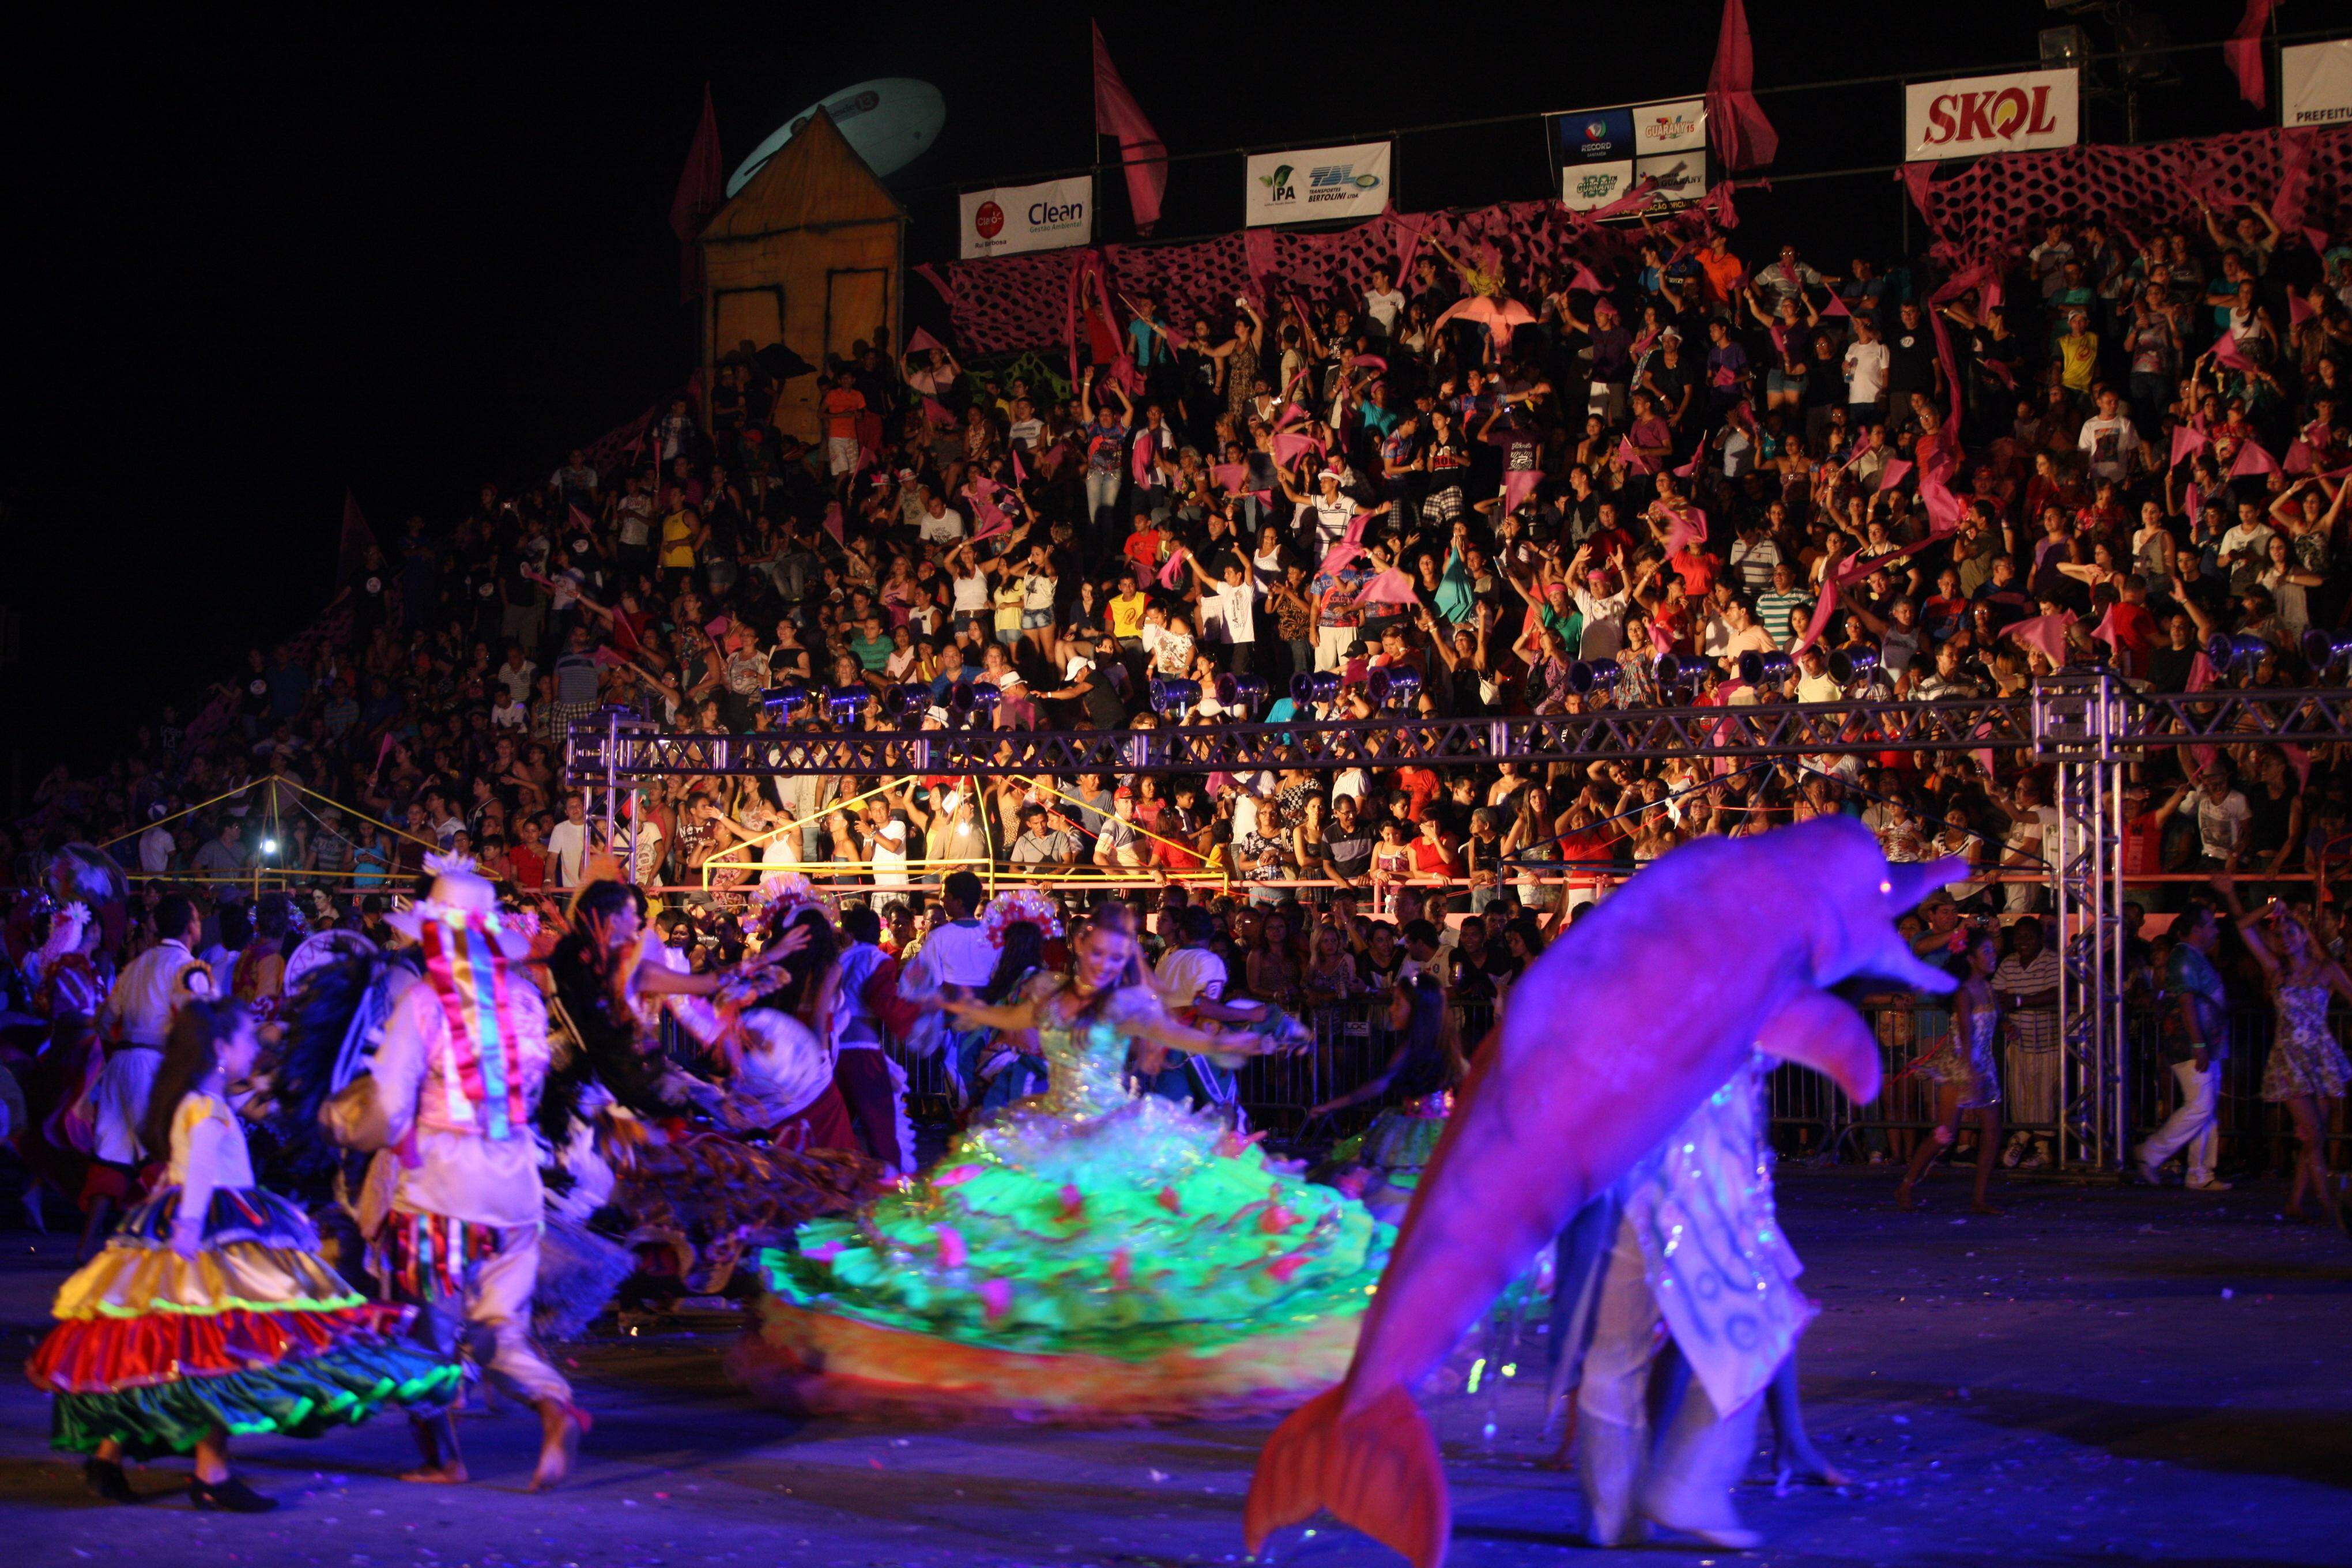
(1376, 1468)
(1822, 1032)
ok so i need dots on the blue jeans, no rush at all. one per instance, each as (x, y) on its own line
(1102, 498)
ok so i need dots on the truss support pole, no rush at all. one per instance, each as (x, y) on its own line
(2080, 724)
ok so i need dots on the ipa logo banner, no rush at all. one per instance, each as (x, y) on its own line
(1013, 219)
(1974, 115)
(1312, 183)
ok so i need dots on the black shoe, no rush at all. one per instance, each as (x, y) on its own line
(105, 1478)
(230, 1496)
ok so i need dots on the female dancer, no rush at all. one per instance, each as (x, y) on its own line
(2307, 1065)
(1008, 1065)
(1090, 1255)
(1424, 1069)
(1967, 1076)
(210, 1310)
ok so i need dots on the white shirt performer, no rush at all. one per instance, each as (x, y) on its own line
(133, 1021)
(955, 960)
(453, 1204)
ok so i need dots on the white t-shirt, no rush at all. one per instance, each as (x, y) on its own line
(568, 847)
(972, 594)
(1188, 975)
(1231, 609)
(2110, 443)
(944, 528)
(1385, 307)
(2221, 823)
(1866, 364)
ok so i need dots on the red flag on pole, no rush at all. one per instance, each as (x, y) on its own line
(701, 191)
(1735, 122)
(1140, 147)
(2245, 50)
(351, 548)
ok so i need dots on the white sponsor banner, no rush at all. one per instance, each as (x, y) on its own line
(1585, 186)
(1681, 176)
(2316, 84)
(1315, 182)
(1978, 114)
(1012, 219)
(1679, 126)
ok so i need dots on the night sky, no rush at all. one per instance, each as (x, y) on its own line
(258, 261)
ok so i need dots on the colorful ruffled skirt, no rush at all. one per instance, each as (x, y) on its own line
(1143, 1265)
(254, 1333)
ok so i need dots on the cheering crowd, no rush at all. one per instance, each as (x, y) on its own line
(1706, 477)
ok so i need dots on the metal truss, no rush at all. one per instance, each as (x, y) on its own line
(614, 747)
(2081, 719)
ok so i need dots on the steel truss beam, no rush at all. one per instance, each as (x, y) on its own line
(613, 748)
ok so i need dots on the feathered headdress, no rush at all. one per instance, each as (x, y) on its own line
(1029, 904)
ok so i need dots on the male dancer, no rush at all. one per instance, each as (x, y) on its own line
(955, 961)
(134, 1021)
(454, 1205)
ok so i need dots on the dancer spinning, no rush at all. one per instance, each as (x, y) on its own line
(210, 1310)
(1003, 1067)
(1090, 1255)
(1967, 1076)
(2307, 1065)
(448, 1104)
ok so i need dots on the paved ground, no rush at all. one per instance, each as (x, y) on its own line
(2100, 1374)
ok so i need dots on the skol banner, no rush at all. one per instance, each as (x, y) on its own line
(1973, 115)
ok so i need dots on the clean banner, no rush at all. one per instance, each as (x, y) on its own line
(1010, 219)
(1976, 115)
(1316, 183)
(2316, 84)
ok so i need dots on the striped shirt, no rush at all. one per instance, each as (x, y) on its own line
(1776, 609)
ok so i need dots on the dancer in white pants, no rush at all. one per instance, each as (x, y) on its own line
(2195, 1021)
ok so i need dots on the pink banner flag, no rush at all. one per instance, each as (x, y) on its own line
(2298, 309)
(1736, 122)
(2106, 631)
(1139, 459)
(833, 519)
(1019, 473)
(2298, 459)
(1836, 307)
(1230, 476)
(1638, 199)
(701, 191)
(1389, 586)
(1140, 147)
(1518, 486)
(2187, 442)
(921, 342)
(1892, 475)
(2045, 634)
(2227, 351)
(2201, 673)
(1585, 280)
(1289, 444)
(2253, 458)
(937, 413)
(2318, 239)
(2245, 50)
(1631, 455)
(1173, 571)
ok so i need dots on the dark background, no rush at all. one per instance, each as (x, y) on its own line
(262, 260)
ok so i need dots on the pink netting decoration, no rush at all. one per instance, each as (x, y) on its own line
(2000, 203)
(1023, 302)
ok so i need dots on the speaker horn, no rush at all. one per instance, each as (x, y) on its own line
(2325, 649)
(1240, 691)
(1766, 669)
(1321, 687)
(2240, 650)
(906, 704)
(1595, 674)
(1169, 695)
(1848, 665)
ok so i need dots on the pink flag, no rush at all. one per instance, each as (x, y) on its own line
(1140, 147)
(2045, 634)
(2318, 239)
(1735, 122)
(2298, 459)
(1643, 192)
(1836, 307)
(2245, 49)
(1172, 572)
(1585, 280)
(1690, 470)
(2201, 673)
(1139, 459)
(833, 519)
(2227, 351)
(921, 342)
(2106, 631)
(2187, 442)
(1631, 455)
(2298, 309)
(1290, 444)
(2253, 458)
(1518, 486)
(937, 413)
(581, 520)
(1019, 473)
(1892, 475)
(701, 191)
(1230, 476)
(1389, 586)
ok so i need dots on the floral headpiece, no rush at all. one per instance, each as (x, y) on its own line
(782, 888)
(1029, 904)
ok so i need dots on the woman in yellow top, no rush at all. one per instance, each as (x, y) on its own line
(682, 535)
(2078, 353)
